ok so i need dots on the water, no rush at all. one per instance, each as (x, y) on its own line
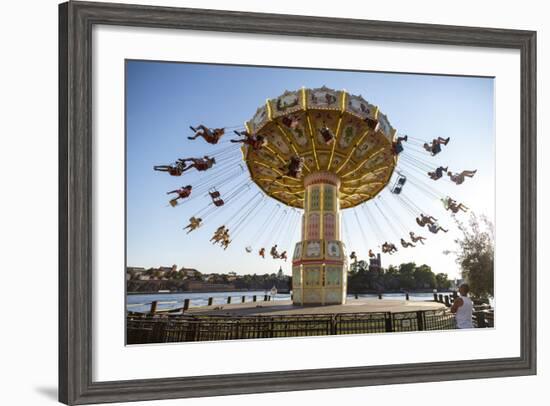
(142, 302)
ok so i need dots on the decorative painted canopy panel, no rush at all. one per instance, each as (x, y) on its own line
(361, 152)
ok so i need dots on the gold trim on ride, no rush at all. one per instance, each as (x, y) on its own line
(360, 155)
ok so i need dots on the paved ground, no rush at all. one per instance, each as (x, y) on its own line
(286, 307)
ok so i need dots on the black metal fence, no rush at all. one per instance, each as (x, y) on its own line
(165, 329)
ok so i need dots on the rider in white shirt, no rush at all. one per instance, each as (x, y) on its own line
(463, 307)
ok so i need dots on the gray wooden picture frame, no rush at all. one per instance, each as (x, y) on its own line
(76, 20)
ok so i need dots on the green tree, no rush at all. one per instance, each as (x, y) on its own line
(391, 278)
(406, 275)
(442, 281)
(424, 277)
(475, 255)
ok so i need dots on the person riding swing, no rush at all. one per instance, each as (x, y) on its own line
(200, 164)
(210, 136)
(453, 205)
(423, 220)
(389, 248)
(327, 134)
(256, 142)
(274, 252)
(183, 193)
(372, 123)
(438, 173)
(283, 255)
(225, 242)
(291, 122)
(174, 170)
(262, 252)
(295, 166)
(434, 228)
(398, 144)
(435, 147)
(416, 238)
(194, 223)
(459, 178)
(218, 234)
(406, 244)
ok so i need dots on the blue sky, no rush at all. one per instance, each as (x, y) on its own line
(164, 99)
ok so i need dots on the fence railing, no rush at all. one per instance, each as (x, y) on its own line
(164, 329)
(181, 306)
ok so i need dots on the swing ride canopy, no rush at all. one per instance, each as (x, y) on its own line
(361, 154)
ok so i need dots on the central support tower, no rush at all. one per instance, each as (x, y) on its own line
(319, 267)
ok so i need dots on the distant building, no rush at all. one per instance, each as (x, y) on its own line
(375, 264)
(166, 269)
(134, 269)
(209, 278)
(188, 273)
(280, 274)
(133, 272)
(231, 276)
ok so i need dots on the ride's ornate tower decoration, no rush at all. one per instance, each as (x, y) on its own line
(346, 148)
(319, 269)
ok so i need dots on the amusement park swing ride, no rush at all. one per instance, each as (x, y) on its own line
(310, 154)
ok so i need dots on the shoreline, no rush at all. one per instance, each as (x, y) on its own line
(200, 291)
(287, 292)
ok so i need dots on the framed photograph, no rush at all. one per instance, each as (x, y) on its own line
(237, 185)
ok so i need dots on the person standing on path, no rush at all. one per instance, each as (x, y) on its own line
(463, 307)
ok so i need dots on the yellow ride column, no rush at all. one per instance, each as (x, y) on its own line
(319, 267)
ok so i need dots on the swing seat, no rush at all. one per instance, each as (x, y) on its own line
(398, 185)
(218, 202)
(214, 194)
(248, 249)
(173, 202)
